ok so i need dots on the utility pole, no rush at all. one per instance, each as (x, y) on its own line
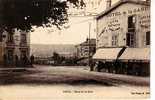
(89, 44)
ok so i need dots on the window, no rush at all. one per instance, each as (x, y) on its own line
(148, 38)
(131, 35)
(131, 21)
(114, 40)
(10, 56)
(86, 48)
(130, 39)
(23, 38)
(10, 38)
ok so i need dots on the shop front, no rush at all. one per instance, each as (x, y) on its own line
(106, 58)
(136, 61)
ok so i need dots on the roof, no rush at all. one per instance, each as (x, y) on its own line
(85, 43)
(107, 54)
(120, 3)
(136, 54)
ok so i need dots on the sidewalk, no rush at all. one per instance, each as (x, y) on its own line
(121, 78)
(14, 68)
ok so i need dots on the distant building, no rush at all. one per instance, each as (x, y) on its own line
(123, 34)
(13, 46)
(43, 51)
(86, 48)
(67, 54)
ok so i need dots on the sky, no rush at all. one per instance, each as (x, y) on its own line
(77, 30)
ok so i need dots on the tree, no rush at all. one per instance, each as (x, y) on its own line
(56, 57)
(23, 14)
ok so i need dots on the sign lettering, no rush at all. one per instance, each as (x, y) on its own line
(136, 10)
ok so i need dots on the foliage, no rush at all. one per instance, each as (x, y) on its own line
(56, 56)
(23, 14)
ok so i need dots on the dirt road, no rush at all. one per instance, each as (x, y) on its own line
(73, 75)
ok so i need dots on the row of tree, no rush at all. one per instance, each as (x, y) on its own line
(57, 59)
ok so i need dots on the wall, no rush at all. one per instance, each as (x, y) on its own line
(116, 22)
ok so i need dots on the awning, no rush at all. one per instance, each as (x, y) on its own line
(136, 54)
(107, 53)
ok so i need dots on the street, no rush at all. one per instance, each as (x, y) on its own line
(73, 75)
(69, 81)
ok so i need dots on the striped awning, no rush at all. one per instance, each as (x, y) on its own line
(136, 54)
(107, 53)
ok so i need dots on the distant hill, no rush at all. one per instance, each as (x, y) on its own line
(47, 50)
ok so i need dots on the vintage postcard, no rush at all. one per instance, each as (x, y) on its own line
(75, 49)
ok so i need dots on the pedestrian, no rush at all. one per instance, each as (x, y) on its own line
(24, 61)
(100, 66)
(16, 61)
(5, 60)
(92, 65)
(32, 59)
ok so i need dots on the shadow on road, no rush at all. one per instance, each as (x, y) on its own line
(21, 76)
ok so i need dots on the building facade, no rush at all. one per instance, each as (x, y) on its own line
(14, 47)
(124, 28)
(86, 49)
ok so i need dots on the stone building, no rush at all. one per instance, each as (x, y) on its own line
(13, 47)
(123, 35)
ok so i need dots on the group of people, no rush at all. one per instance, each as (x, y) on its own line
(22, 61)
(107, 66)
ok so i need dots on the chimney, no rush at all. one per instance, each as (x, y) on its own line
(108, 4)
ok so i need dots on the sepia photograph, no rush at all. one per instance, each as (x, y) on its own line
(75, 49)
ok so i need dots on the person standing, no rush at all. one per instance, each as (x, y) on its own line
(16, 61)
(5, 60)
(100, 66)
(91, 65)
(32, 59)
